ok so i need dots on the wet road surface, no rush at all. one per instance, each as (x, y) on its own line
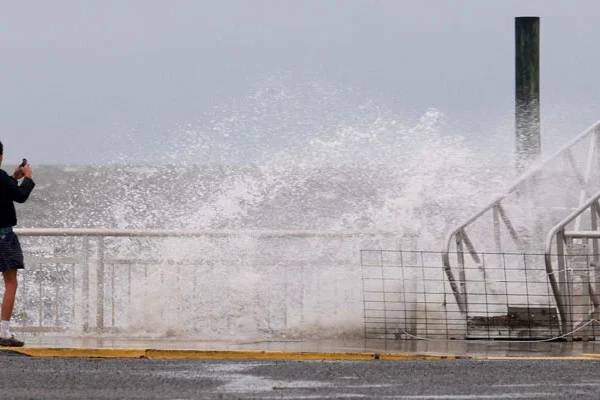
(64, 378)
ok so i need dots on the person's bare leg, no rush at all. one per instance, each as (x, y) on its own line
(8, 303)
(10, 292)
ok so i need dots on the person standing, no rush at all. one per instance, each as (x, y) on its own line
(11, 255)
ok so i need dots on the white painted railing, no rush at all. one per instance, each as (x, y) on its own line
(193, 282)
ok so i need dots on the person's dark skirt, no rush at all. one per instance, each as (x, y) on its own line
(11, 255)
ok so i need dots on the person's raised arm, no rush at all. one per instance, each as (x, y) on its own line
(18, 193)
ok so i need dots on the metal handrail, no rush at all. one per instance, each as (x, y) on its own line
(567, 220)
(532, 171)
(560, 227)
(99, 232)
(536, 168)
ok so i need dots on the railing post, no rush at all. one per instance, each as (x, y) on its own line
(594, 226)
(461, 272)
(85, 284)
(595, 209)
(564, 283)
(100, 285)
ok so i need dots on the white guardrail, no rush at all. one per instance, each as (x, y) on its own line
(189, 282)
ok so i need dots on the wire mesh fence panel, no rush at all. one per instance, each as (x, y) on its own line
(505, 296)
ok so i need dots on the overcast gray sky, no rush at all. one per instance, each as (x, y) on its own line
(78, 75)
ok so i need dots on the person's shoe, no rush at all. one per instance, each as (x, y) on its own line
(11, 342)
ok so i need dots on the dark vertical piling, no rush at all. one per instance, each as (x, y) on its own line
(527, 91)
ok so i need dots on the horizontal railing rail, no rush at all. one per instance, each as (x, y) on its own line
(98, 232)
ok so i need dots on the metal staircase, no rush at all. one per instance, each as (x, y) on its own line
(529, 219)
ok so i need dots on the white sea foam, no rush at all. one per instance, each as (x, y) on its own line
(289, 157)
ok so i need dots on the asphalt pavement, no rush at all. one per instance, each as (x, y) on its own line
(93, 378)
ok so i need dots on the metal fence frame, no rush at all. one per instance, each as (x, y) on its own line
(407, 296)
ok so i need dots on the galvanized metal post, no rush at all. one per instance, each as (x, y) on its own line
(410, 259)
(566, 284)
(461, 272)
(594, 210)
(100, 285)
(527, 91)
(562, 277)
(85, 284)
(594, 226)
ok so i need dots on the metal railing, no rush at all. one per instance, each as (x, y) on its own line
(124, 280)
(524, 188)
(564, 241)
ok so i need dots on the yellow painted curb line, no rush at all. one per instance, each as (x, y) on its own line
(591, 355)
(76, 352)
(216, 354)
(408, 357)
(183, 354)
(258, 355)
(254, 355)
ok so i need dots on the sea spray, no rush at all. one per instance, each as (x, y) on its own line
(290, 158)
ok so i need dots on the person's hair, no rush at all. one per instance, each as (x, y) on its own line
(1, 149)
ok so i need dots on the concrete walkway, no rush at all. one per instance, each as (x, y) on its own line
(67, 346)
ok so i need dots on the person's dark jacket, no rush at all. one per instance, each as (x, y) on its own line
(11, 191)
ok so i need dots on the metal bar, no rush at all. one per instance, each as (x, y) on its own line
(205, 233)
(594, 295)
(496, 219)
(594, 226)
(100, 286)
(385, 319)
(595, 288)
(452, 282)
(56, 312)
(73, 301)
(286, 290)
(85, 284)
(595, 212)
(461, 271)
(128, 286)
(562, 298)
(113, 296)
(585, 297)
(41, 308)
(471, 248)
(582, 234)
(509, 227)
